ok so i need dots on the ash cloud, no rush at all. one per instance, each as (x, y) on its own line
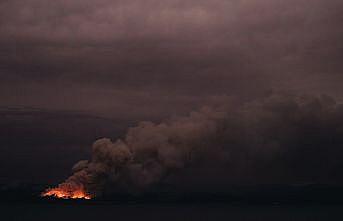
(282, 138)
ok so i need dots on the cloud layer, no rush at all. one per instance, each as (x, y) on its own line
(102, 52)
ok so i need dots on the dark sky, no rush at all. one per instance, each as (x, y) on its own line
(128, 60)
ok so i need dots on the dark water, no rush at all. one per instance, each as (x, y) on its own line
(172, 212)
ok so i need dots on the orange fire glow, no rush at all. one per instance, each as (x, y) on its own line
(66, 194)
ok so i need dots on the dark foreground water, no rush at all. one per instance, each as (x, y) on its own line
(172, 212)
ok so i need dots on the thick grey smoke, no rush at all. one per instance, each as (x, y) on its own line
(281, 138)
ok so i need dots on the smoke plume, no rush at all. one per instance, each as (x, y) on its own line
(282, 138)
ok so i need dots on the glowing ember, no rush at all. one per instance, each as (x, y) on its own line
(66, 194)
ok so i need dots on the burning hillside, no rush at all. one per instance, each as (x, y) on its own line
(68, 190)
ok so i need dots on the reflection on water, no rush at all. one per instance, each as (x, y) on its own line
(168, 212)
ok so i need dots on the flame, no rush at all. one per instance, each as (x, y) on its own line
(59, 192)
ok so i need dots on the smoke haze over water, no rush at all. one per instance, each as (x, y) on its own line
(282, 138)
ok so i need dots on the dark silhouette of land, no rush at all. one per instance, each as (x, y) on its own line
(255, 195)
